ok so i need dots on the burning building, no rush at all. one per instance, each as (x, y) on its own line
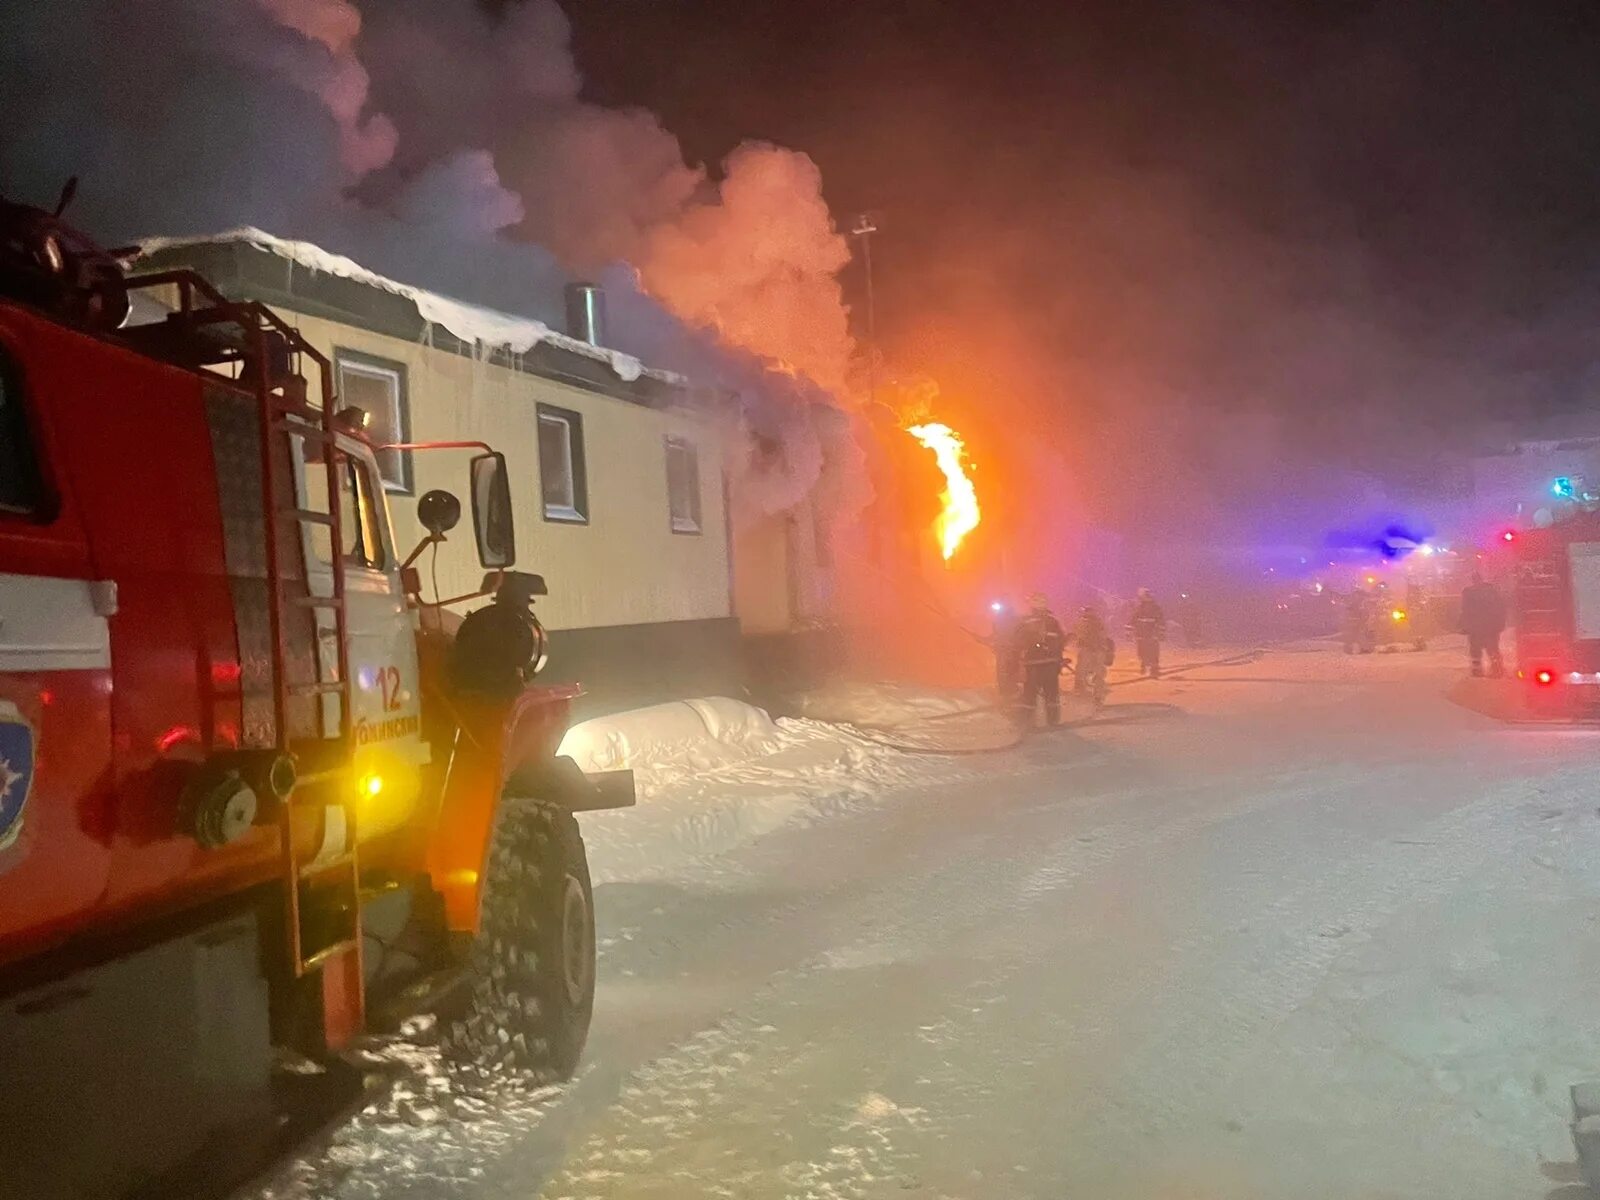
(677, 530)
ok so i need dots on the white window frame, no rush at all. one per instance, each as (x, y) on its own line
(394, 374)
(571, 425)
(694, 520)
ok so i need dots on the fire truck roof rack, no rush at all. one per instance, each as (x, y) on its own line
(206, 329)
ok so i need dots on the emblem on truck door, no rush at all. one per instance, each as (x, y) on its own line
(16, 771)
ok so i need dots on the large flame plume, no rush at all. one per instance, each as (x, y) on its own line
(960, 512)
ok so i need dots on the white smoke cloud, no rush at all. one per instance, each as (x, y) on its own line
(759, 264)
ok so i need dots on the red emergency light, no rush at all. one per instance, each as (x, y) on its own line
(1544, 677)
(1509, 535)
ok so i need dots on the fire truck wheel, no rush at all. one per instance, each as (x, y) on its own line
(531, 971)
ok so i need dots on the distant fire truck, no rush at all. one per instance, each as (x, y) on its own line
(1555, 605)
(248, 808)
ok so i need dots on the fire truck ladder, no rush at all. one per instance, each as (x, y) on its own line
(207, 330)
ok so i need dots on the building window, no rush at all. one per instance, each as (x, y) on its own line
(683, 485)
(21, 491)
(563, 479)
(378, 387)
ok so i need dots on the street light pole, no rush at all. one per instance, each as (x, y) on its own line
(862, 231)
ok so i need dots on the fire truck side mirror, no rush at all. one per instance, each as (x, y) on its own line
(491, 511)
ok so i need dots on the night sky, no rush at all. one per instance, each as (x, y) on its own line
(1351, 221)
(1184, 269)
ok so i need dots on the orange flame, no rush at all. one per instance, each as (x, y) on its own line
(960, 514)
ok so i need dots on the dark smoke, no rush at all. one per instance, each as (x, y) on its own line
(450, 148)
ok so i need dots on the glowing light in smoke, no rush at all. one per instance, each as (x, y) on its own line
(960, 514)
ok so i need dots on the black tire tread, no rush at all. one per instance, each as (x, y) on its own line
(517, 1014)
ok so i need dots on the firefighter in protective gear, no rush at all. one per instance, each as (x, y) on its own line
(1358, 632)
(1039, 645)
(1149, 625)
(1483, 619)
(1002, 640)
(1095, 651)
(1190, 619)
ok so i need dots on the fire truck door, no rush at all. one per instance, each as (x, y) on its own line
(55, 662)
(385, 696)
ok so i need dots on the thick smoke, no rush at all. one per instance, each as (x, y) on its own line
(759, 264)
(366, 140)
(754, 256)
(445, 147)
(179, 114)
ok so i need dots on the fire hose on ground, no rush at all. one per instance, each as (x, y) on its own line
(870, 732)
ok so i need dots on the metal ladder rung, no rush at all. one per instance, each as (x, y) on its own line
(309, 516)
(312, 601)
(325, 688)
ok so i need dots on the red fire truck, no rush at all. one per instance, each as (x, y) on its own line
(248, 807)
(1556, 609)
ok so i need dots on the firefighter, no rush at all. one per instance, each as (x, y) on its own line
(1039, 643)
(1189, 619)
(1358, 633)
(497, 644)
(1095, 652)
(1149, 625)
(1419, 614)
(1483, 619)
(1002, 640)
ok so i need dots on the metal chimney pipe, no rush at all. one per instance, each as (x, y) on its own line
(586, 313)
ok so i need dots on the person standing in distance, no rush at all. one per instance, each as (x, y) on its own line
(1040, 644)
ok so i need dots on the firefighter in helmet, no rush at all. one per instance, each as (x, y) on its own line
(1002, 640)
(1039, 645)
(1483, 619)
(1149, 626)
(1095, 652)
(1357, 630)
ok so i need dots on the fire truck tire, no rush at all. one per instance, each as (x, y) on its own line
(531, 969)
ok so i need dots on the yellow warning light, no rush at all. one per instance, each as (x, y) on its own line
(1399, 614)
(371, 784)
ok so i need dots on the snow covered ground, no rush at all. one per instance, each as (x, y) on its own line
(1290, 927)
(713, 774)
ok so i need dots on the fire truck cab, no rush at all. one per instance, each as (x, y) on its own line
(1556, 610)
(248, 809)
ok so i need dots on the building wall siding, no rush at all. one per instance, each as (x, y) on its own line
(626, 566)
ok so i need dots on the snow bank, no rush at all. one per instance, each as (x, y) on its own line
(470, 322)
(666, 742)
(714, 773)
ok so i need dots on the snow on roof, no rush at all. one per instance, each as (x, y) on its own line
(469, 322)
